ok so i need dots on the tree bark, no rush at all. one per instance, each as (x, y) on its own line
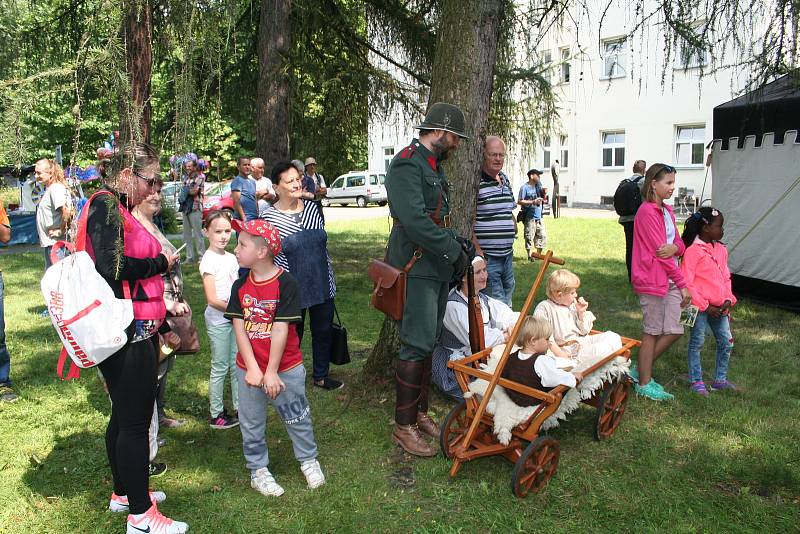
(463, 72)
(136, 111)
(272, 97)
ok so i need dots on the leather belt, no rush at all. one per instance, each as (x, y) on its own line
(444, 222)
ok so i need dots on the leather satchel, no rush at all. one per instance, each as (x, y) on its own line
(184, 327)
(389, 293)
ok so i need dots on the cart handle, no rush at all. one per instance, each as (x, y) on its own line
(553, 259)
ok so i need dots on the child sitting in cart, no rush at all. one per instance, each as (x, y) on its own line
(571, 321)
(534, 366)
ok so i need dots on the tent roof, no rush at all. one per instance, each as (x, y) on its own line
(774, 108)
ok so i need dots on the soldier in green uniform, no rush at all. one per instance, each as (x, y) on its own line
(418, 202)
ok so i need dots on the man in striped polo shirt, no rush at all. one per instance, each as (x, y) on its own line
(495, 226)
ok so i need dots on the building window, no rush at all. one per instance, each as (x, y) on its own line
(547, 67)
(546, 152)
(689, 145)
(690, 55)
(613, 149)
(615, 58)
(388, 154)
(564, 152)
(565, 65)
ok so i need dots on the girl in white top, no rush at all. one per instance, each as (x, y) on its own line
(571, 320)
(219, 270)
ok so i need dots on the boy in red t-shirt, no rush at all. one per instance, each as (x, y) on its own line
(264, 307)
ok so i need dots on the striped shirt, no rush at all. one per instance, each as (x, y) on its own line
(308, 231)
(494, 221)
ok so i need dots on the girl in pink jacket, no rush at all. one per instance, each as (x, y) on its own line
(705, 267)
(656, 277)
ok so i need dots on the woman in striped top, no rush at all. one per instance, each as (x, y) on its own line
(304, 253)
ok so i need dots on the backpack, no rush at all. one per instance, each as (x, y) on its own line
(88, 318)
(628, 196)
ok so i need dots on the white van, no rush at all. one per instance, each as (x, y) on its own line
(358, 187)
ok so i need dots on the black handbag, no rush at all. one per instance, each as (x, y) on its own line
(340, 353)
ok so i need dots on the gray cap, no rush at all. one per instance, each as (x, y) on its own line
(447, 117)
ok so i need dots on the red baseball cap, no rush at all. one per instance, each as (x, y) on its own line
(260, 228)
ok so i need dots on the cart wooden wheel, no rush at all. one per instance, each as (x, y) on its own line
(611, 407)
(453, 427)
(536, 466)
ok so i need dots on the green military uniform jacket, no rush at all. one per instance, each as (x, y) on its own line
(414, 184)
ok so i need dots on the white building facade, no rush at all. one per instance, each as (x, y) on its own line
(619, 100)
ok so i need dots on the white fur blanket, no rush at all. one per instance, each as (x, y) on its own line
(508, 415)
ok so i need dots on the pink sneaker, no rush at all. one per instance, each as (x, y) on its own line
(723, 384)
(699, 387)
(119, 503)
(154, 522)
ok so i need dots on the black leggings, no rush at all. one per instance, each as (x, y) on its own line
(131, 378)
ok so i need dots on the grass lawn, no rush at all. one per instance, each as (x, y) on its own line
(727, 463)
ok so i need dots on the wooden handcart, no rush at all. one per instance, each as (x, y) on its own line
(466, 432)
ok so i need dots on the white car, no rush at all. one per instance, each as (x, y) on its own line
(359, 187)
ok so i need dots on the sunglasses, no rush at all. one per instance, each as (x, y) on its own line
(669, 169)
(151, 182)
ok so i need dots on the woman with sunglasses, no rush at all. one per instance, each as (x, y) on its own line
(131, 260)
(656, 277)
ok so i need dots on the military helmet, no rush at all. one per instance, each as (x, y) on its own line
(444, 116)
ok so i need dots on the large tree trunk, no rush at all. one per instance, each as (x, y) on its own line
(463, 71)
(272, 98)
(135, 111)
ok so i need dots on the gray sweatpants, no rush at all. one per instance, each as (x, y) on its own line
(193, 235)
(293, 409)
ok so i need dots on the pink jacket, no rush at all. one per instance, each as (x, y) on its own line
(705, 266)
(650, 274)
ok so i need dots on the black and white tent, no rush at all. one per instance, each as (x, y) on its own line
(756, 184)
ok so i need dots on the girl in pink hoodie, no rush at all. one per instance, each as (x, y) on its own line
(705, 267)
(656, 277)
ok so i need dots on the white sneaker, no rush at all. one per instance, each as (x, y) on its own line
(313, 472)
(154, 522)
(119, 503)
(265, 483)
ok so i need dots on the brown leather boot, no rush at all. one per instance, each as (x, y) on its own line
(412, 440)
(425, 423)
(408, 376)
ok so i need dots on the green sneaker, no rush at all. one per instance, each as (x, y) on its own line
(652, 392)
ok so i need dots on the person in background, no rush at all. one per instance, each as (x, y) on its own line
(626, 221)
(531, 198)
(495, 226)
(54, 208)
(194, 182)
(314, 184)
(7, 393)
(265, 193)
(555, 170)
(243, 192)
